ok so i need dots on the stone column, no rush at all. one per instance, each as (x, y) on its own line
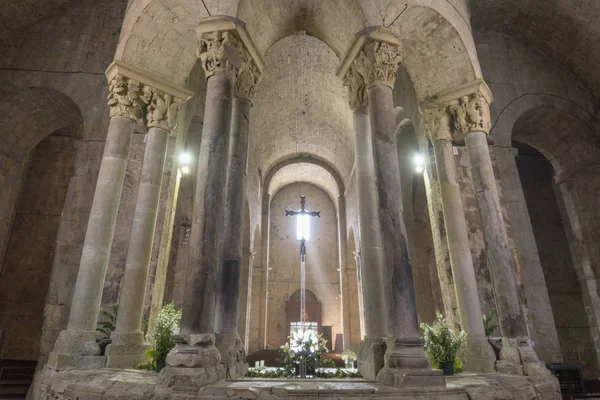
(195, 359)
(227, 297)
(478, 354)
(128, 343)
(407, 365)
(265, 228)
(468, 109)
(76, 346)
(371, 350)
(541, 326)
(343, 271)
(195, 345)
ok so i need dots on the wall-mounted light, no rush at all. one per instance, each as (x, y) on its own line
(419, 162)
(185, 159)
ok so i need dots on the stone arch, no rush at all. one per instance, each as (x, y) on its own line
(450, 59)
(563, 135)
(38, 150)
(333, 186)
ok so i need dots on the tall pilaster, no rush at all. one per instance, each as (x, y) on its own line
(76, 346)
(128, 344)
(227, 297)
(372, 348)
(223, 43)
(478, 354)
(467, 107)
(407, 365)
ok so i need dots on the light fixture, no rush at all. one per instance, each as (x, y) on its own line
(419, 162)
(185, 159)
(302, 227)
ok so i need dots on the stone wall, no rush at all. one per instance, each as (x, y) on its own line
(322, 277)
(25, 272)
(563, 286)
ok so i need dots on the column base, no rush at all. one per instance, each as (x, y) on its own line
(125, 350)
(194, 350)
(411, 378)
(76, 350)
(407, 354)
(371, 357)
(233, 354)
(478, 356)
(518, 358)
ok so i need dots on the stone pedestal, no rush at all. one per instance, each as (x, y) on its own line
(233, 355)
(371, 357)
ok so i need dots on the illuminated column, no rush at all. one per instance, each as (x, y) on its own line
(76, 346)
(468, 110)
(372, 347)
(227, 295)
(478, 353)
(407, 365)
(128, 343)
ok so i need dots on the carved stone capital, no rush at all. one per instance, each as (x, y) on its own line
(247, 77)
(357, 90)
(162, 111)
(437, 121)
(218, 53)
(468, 106)
(378, 63)
(127, 97)
(470, 113)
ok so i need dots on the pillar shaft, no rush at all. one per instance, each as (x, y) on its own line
(512, 324)
(371, 240)
(343, 273)
(479, 355)
(207, 215)
(101, 226)
(128, 338)
(404, 315)
(226, 314)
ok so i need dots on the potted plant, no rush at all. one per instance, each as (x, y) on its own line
(442, 344)
(161, 340)
(349, 358)
(303, 344)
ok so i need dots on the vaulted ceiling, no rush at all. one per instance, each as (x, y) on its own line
(566, 30)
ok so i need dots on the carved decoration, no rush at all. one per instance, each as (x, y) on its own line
(437, 120)
(248, 75)
(127, 97)
(162, 111)
(357, 90)
(218, 53)
(378, 63)
(470, 114)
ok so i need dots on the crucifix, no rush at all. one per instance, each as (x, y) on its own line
(302, 233)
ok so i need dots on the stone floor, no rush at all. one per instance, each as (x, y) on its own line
(107, 384)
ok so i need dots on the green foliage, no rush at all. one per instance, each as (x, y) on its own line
(167, 325)
(348, 355)
(338, 374)
(283, 373)
(308, 345)
(264, 373)
(441, 343)
(487, 323)
(147, 366)
(325, 362)
(107, 321)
